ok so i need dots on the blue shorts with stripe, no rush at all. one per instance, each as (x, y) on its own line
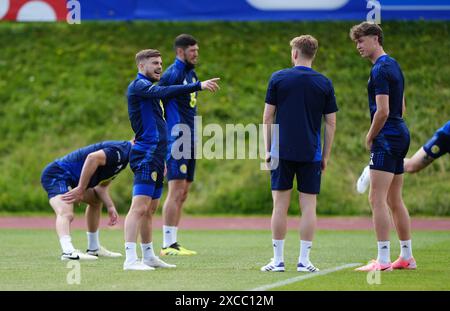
(148, 169)
(388, 152)
(55, 180)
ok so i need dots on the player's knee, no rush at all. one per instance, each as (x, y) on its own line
(391, 203)
(180, 196)
(67, 215)
(97, 202)
(395, 203)
(150, 211)
(376, 201)
(95, 205)
(183, 196)
(139, 209)
(394, 207)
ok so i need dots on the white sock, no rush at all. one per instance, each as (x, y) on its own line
(169, 235)
(66, 244)
(130, 252)
(278, 251)
(93, 241)
(305, 248)
(147, 251)
(405, 249)
(384, 252)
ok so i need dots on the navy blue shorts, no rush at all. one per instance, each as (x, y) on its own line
(180, 169)
(384, 161)
(56, 180)
(388, 152)
(308, 176)
(148, 169)
(438, 145)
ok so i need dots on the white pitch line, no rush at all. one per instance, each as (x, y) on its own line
(303, 277)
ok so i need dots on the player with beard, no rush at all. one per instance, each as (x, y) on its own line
(147, 157)
(180, 111)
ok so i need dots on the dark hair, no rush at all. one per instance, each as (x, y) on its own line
(184, 41)
(145, 54)
(366, 29)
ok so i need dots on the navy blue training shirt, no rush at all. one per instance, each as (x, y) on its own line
(386, 78)
(146, 111)
(445, 129)
(183, 108)
(117, 154)
(301, 96)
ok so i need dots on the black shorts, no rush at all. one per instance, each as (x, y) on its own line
(388, 152)
(308, 176)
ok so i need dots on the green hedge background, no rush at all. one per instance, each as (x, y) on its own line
(63, 86)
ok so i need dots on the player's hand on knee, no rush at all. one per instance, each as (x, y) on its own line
(73, 196)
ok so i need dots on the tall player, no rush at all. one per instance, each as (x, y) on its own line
(297, 99)
(179, 110)
(388, 142)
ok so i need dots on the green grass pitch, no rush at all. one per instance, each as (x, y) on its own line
(227, 260)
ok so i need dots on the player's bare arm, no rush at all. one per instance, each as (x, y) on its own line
(103, 193)
(330, 129)
(268, 117)
(404, 105)
(93, 161)
(419, 161)
(379, 119)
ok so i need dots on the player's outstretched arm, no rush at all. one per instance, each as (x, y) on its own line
(419, 161)
(93, 161)
(164, 92)
(211, 85)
